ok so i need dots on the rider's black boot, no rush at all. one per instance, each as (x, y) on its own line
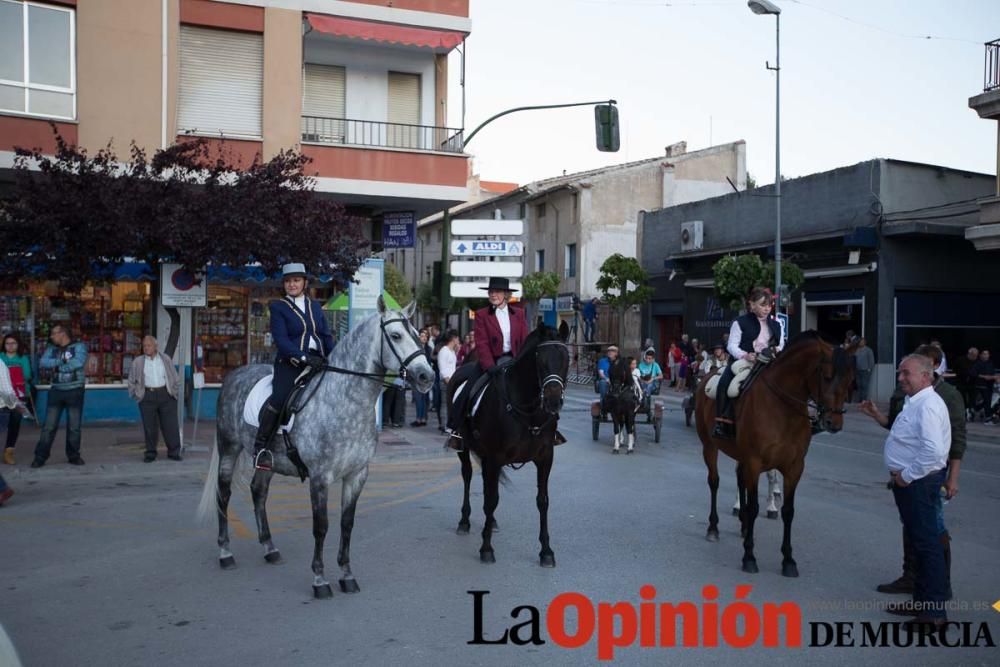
(268, 419)
(724, 429)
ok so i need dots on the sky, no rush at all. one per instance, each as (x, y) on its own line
(859, 80)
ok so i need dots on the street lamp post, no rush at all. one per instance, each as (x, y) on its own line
(766, 7)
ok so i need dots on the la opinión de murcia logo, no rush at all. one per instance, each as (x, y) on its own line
(704, 624)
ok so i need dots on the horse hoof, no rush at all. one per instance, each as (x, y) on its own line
(750, 566)
(463, 528)
(712, 536)
(547, 560)
(772, 514)
(227, 563)
(487, 557)
(789, 570)
(324, 592)
(494, 526)
(273, 557)
(349, 586)
(628, 451)
(736, 511)
(614, 451)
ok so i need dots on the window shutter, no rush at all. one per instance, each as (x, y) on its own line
(404, 109)
(221, 74)
(323, 102)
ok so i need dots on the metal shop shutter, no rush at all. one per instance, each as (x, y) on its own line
(323, 101)
(404, 108)
(221, 74)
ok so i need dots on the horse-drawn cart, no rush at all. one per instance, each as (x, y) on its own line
(654, 416)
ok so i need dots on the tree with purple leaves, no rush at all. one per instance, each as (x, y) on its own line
(74, 218)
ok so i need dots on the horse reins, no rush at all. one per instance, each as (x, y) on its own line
(380, 377)
(810, 402)
(521, 414)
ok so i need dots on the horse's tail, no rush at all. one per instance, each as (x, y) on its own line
(8, 654)
(209, 493)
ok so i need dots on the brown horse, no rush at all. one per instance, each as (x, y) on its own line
(773, 430)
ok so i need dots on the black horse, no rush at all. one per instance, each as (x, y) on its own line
(622, 402)
(515, 423)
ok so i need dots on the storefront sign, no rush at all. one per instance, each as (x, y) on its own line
(363, 294)
(179, 287)
(398, 229)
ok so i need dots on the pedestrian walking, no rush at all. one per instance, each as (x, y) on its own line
(421, 399)
(19, 366)
(153, 383)
(66, 360)
(8, 401)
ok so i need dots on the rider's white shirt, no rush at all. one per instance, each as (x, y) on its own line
(300, 303)
(503, 317)
(736, 335)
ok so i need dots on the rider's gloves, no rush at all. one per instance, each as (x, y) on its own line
(315, 362)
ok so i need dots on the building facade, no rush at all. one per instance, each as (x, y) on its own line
(360, 87)
(882, 245)
(572, 223)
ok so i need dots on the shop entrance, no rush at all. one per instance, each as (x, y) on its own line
(835, 318)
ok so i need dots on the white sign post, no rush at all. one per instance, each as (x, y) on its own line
(487, 251)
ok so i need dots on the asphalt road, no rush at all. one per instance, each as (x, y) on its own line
(108, 567)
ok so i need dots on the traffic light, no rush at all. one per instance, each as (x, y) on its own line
(606, 126)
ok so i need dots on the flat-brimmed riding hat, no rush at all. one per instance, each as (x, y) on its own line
(498, 283)
(294, 270)
(718, 346)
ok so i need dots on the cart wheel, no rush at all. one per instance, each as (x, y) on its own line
(596, 427)
(656, 429)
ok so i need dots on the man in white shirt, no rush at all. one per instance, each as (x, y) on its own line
(916, 453)
(154, 384)
(448, 357)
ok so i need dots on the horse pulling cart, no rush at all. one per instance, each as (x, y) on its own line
(654, 416)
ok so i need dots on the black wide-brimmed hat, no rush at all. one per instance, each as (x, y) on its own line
(498, 283)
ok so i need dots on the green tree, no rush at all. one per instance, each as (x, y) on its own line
(623, 284)
(736, 275)
(397, 286)
(427, 299)
(538, 285)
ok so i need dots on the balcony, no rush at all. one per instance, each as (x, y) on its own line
(378, 134)
(991, 67)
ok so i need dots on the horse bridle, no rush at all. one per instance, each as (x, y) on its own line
(809, 402)
(403, 363)
(519, 413)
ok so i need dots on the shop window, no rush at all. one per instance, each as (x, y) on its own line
(570, 261)
(110, 321)
(37, 59)
(222, 331)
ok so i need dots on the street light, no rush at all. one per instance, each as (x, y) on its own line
(766, 7)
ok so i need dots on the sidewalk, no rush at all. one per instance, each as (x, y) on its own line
(119, 448)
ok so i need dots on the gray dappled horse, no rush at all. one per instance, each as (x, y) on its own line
(334, 433)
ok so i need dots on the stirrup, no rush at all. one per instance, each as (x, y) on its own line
(261, 462)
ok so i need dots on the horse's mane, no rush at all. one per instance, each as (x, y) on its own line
(538, 335)
(808, 338)
(621, 374)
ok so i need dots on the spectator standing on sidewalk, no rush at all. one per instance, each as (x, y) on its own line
(67, 361)
(864, 360)
(8, 400)
(153, 383)
(421, 399)
(447, 360)
(19, 367)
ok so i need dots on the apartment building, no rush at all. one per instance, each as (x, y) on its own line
(360, 86)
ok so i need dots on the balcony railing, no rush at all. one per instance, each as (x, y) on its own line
(350, 132)
(991, 76)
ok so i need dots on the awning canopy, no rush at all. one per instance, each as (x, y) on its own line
(439, 40)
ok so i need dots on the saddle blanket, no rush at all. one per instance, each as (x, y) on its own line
(255, 401)
(741, 369)
(479, 398)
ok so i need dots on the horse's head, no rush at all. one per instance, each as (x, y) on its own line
(552, 364)
(831, 384)
(401, 352)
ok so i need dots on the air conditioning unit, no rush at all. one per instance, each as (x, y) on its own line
(692, 236)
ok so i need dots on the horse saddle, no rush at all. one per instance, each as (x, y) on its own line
(741, 372)
(297, 398)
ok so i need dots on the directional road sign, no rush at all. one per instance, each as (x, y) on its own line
(488, 227)
(471, 290)
(487, 269)
(472, 248)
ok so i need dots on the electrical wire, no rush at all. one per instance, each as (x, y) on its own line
(881, 29)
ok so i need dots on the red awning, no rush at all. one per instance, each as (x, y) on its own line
(385, 32)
